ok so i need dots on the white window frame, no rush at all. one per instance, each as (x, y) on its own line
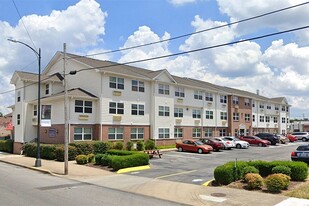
(164, 89)
(209, 97)
(198, 94)
(178, 112)
(247, 102)
(267, 119)
(268, 106)
(208, 132)
(116, 133)
(196, 113)
(283, 120)
(180, 92)
(235, 116)
(35, 110)
(84, 132)
(196, 132)
(18, 96)
(137, 86)
(223, 115)
(85, 107)
(209, 114)
(235, 100)
(163, 133)
(164, 111)
(222, 132)
(253, 118)
(118, 107)
(247, 117)
(262, 118)
(116, 82)
(277, 107)
(138, 109)
(47, 89)
(18, 119)
(178, 132)
(137, 133)
(223, 99)
(275, 119)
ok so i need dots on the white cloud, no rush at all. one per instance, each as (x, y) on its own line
(181, 2)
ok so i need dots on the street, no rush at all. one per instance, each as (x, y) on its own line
(196, 168)
(20, 186)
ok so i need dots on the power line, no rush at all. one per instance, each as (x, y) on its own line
(197, 32)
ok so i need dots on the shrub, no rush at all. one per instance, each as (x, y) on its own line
(106, 160)
(98, 158)
(118, 145)
(129, 145)
(254, 181)
(299, 171)
(277, 182)
(100, 147)
(60, 153)
(48, 151)
(224, 174)
(237, 168)
(265, 168)
(121, 152)
(110, 145)
(150, 145)
(281, 169)
(30, 149)
(81, 159)
(140, 145)
(248, 169)
(90, 158)
(6, 145)
(83, 147)
(137, 159)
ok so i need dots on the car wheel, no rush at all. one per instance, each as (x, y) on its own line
(304, 139)
(200, 151)
(180, 149)
(260, 144)
(238, 146)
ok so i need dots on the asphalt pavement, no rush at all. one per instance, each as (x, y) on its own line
(181, 193)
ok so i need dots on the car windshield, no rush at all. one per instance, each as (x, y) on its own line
(303, 148)
(198, 143)
(236, 139)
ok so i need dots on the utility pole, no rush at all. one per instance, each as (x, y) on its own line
(66, 121)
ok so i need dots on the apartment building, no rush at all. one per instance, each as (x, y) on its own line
(110, 101)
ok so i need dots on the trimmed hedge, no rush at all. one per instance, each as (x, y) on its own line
(81, 159)
(150, 145)
(137, 159)
(98, 158)
(60, 153)
(6, 145)
(129, 145)
(48, 151)
(140, 145)
(121, 152)
(247, 170)
(281, 169)
(90, 147)
(277, 182)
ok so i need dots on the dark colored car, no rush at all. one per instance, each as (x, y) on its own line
(193, 146)
(268, 136)
(301, 153)
(216, 145)
(255, 140)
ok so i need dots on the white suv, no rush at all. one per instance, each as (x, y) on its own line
(304, 136)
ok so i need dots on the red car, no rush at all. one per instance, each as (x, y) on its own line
(255, 140)
(291, 137)
(193, 146)
(216, 145)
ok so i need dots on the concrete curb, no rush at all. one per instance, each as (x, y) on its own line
(207, 183)
(133, 169)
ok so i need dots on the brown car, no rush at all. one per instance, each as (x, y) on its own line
(215, 144)
(193, 146)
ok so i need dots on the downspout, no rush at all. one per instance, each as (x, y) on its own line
(101, 108)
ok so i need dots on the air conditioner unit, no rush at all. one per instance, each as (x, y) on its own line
(83, 117)
(197, 122)
(224, 122)
(178, 121)
(117, 93)
(179, 100)
(117, 118)
(209, 103)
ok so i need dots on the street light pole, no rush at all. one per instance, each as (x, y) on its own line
(38, 54)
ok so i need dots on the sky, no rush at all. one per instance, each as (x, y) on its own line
(277, 66)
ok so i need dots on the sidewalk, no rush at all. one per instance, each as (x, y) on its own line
(182, 193)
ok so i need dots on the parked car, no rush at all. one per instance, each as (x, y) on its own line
(238, 143)
(301, 153)
(193, 146)
(304, 136)
(282, 139)
(215, 144)
(292, 138)
(227, 144)
(270, 137)
(255, 140)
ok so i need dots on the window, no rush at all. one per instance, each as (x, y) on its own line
(223, 99)
(164, 89)
(247, 102)
(196, 113)
(268, 106)
(283, 108)
(283, 119)
(209, 114)
(253, 103)
(46, 89)
(178, 112)
(179, 92)
(209, 97)
(116, 82)
(35, 110)
(235, 100)
(46, 112)
(137, 109)
(81, 134)
(247, 117)
(138, 86)
(116, 108)
(261, 106)
(222, 132)
(208, 132)
(164, 111)
(83, 106)
(235, 116)
(115, 133)
(287, 109)
(196, 132)
(223, 115)
(253, 118)
(137, 133)
(198, 95)
(18, 96)
(18, 119)
(267, 118)
(275, 119)
(178, 133)
(277, 107)
(287, 120)
(164, 133)
(261, 118)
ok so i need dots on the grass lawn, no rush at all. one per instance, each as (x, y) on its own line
(301, 191)
(166, 146)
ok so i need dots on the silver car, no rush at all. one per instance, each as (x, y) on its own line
(227, 144)
(304, 136)
(238, 143)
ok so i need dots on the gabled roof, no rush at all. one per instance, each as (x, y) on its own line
(32, 77)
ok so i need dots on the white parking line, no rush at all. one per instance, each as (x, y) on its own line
(294, 201)
(213, 199)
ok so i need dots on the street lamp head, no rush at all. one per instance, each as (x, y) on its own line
(12, 40)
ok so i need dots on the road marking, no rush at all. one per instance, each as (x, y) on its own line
(294, 201)
(133, 169)
(214, 199)
(207, 183)
(175, 174)
(197, 180)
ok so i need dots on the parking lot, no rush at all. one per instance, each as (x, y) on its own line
(196, 168)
